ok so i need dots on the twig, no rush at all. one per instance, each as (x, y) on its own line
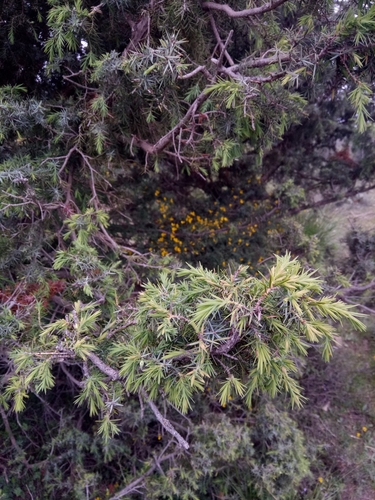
(224, 49)
(115, 375)
(165, 422)
(195, 72)
(76, 382)
(11, 436)
(137, 483)
(70, 152)
(219, 40)
(164, 141)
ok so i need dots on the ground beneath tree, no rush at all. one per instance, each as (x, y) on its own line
(339, 418)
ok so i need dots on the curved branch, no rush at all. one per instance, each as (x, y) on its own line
(164, 141)
(243, 13)
(115, 375)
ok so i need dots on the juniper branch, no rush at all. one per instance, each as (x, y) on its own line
(115, 375)
(242, 13)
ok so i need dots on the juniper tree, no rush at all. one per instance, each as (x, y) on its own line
(177, 86)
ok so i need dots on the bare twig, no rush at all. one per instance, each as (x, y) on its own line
(165, 422)
(138, 483)
(195, 71)
(224, 50)
(76, 382)
(356, 288)
(219, 40)
(261, 62)
(11, 436)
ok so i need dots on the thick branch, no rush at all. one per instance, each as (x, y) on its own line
(261, 62)
(229, 344)
(111, 372)
(243, 13)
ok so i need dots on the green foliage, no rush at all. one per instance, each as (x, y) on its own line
(240, 333)
(118, 124)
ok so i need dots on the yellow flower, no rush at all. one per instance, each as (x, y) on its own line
(364, 428)
(159, 437)
(320, 479)
(358, 434)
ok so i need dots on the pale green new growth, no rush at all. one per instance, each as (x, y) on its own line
(233, 332)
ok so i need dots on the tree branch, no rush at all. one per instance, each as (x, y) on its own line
(11, 436)
(195, 71)
(261, 62)
(219, 40)
(165, 422)
(111, 372)
(365, 309)
(354, 288)
(164, 141)
(243, 13)
(321, 203)
(137, 483)
(115, 375)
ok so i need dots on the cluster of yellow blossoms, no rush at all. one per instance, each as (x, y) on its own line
(189, 233)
